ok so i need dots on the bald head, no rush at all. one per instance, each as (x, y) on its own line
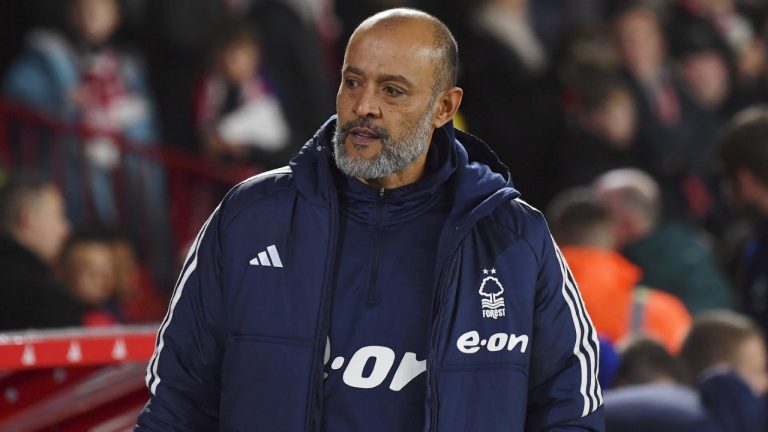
(443, 44)
(634, 199)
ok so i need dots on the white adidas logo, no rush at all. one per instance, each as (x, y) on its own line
(268, 258)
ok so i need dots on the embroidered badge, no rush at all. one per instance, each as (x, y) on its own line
(491, 288)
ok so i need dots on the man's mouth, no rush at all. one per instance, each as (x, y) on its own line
(364, 133)
(361, 137)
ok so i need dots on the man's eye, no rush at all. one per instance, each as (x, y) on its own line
(392, 91)
(351, 83)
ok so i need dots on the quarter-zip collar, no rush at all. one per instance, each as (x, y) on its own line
(477, 179)
(369, 205)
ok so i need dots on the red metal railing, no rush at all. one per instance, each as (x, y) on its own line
(73, 379)
(192, 185)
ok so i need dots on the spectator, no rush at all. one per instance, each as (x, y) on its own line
(177, 36)
(600, 134)
(619, 307)
(652, 396)
(727, 339)
(137, 300)
(238, 115)
(298, 64)
(736, 38)
(508, 96)
(81, 76)
(719, 341)
(86, 268)
(678, 150)
(646, 361)
(33, 227)
(743, 152)
(704, 67)
(672, 256)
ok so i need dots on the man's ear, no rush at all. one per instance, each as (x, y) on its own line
(447, 103)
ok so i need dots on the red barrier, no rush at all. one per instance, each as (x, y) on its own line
(76, 347)
(74, 379)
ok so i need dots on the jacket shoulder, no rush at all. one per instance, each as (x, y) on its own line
(521, 218)
(523, 221)
(256, 189)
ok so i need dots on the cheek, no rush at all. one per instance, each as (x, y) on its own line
(343, 105)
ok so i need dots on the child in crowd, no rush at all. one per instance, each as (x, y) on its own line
(86, 268)
(136, 298)
(238, 115)
(721, 339)
(726, 354)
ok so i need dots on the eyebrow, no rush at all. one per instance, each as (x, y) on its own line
(381, 78)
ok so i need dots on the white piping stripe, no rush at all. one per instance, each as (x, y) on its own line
(191, 251)
(585, 324)
(595, 340)
(596, 343)
(595, 389)
(152, 365)
(576, 348)
(585, 335)
(175, 300)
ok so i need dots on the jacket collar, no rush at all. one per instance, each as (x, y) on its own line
(479, 182)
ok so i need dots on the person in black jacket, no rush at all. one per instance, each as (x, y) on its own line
(33, 227)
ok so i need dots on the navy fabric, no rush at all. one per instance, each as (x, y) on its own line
(731, 404)
(378, 311)
(756, 275)
(656, 408)
(510, 346)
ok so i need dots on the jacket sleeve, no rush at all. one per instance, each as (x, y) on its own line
(183, 373)
(564, 393)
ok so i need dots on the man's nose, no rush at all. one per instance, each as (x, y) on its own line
(366, 104)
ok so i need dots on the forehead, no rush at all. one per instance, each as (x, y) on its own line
(91, 251)
(49, 197)
(637, 20)
(406, 49)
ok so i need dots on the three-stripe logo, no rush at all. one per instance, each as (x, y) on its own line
(267, 258)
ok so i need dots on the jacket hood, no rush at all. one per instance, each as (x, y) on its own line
(479, 183)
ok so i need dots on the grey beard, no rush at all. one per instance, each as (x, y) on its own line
(394, 156)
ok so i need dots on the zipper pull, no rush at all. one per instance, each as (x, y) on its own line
(381, 192)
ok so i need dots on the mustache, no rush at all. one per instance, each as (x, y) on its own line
(364, 123)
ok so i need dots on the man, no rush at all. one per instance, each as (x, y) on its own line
(673, 135)
(673, 256)
(621, 308)
(389, 279)
(33, 228)
(726, 354)
(743, 151)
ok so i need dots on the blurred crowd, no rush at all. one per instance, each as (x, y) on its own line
(640, 127)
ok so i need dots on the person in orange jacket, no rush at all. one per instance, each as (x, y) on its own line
(609, 283)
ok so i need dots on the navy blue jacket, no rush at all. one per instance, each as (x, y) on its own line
(242, 346)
